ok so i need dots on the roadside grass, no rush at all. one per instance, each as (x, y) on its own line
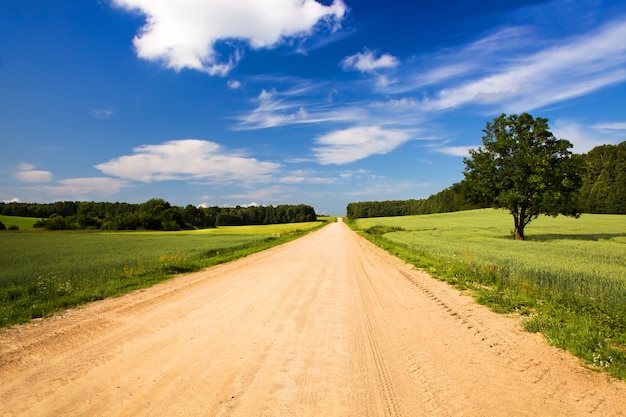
(568, 278)
(20, 222)
(42, 272)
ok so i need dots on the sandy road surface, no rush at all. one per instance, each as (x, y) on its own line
(328, 325)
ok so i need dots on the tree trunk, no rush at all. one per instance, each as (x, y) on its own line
(519, 226)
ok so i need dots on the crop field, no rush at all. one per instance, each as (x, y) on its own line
(20, 222)
(42, 272)
(568, 277)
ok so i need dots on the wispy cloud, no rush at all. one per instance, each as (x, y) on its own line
(266, 194)
(368, 62)
(527, 81)
(611, 126)
(28, 173)
(305, 177)
(184, 33)
(94, 188)
(584, 138)
(102, 113)
(349, 145)
(454, 150)
(295, 106)
(187, 159)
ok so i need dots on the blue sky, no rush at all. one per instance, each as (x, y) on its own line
(289, 101)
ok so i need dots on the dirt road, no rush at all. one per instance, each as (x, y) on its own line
(328, 325)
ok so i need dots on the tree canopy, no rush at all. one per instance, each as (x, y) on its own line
(603, 190)
(524, 169)
(154, 214)
(604, 180)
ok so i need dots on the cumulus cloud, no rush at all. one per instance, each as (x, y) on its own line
(184, 33)
(367, 62)
(187, 159)
(349, 145)
(27, 173)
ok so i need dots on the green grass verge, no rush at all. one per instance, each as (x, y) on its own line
(43, 272)
(568, 278)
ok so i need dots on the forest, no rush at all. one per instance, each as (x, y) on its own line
(154, 214)
(603, 190)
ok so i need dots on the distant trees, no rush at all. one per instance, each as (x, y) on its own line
(451, 199)
(604, 180)
(602, 173)
(154, 214)
(524, 169)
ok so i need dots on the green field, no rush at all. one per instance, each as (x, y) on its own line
(568, 277)
(20, 222)
(42, 272)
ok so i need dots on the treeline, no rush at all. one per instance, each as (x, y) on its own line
(154, 214)
(448, 200)
(603, 190)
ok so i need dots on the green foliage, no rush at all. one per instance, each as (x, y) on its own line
(154, 214)
(2, 226)
(603, 190)
(568, 277)
(524, 169)
(450, 199)
(43, 272)
(604, 180)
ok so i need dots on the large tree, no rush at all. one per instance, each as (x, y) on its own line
(524, 169)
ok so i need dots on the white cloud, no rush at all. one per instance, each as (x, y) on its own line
(102, 113)
(305, 177)
(273, 193)
(367, 62)
(610, 126)
(27, 173)
(567, 70)
(184, 33)
(187, 159)
(94, 187)
(455, 150)
(280, 109)
(349, 145)
(585, 138)
(233, 84)
(450, 65)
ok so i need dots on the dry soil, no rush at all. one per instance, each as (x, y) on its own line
(328, 325)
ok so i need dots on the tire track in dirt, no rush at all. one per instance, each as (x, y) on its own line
(326, 325)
